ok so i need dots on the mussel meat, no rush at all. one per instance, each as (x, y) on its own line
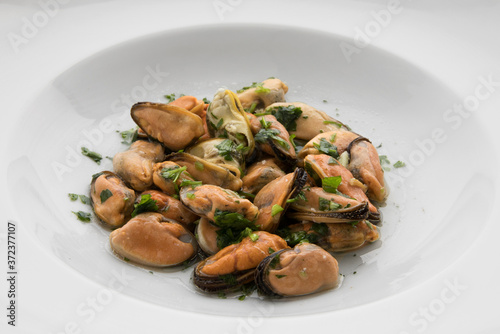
(303, 270)
(151, 239)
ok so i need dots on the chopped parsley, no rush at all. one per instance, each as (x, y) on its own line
(192, 184)
(265, 134)
(170, 97)
(276, 209)
(82, 216)
(129, 136)
(227, 149)
(330, 184)
(333, 122)
(207, 101)
(219, 124)
(105, 194)
(300, 196)
(172, 173)
(292, 137)
(229, 279)
(252, 108)
(92, 155)
(320, 228)
(399, 164)
(259, 88)
(328, 205)
(280, 276)
(297, 237)
(287, 116)
(385, 162)
(234, 227)
(327, 148)
(270, 250)
(146, 204)
(190, 195)
(245, 194)
(231, 219)
(84, 199)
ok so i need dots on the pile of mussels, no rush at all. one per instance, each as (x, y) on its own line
(244, 178)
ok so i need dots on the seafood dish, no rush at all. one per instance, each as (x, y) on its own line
(252, 191)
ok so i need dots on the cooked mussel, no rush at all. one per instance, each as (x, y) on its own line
(364, 164)
(235, 265)
(173, 126)
(259, 174)
(273, 139)
(273, 199)
(219, 151)
(312, 121)
(135, 165)
(213, 203)
(319, 206)
(195, 106)
(168, 176)
(335, 142)
(172, 208)
(207, 172)
(111, 199)
(151, 239)
(260, 95)
(226, 118)
(321, 165)
(339, 237)
(303, 270)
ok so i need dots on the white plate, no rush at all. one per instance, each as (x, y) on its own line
(382, 97)
(433, 232)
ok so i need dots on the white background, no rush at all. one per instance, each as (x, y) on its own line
(455, 40)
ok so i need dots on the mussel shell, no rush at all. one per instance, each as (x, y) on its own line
(261, 275)
(219, 283)
(353, 213)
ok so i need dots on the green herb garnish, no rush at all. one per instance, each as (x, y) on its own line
(129, 136)
(333, 122)
(399, 164)
(172, 173)
(328, 205)
(73, 197)
(276, 209)
(92, 155)
(170, 97)
(287, 115)
(190, 195)
(105, 194)
(330, 184)
(327, 148)
(280, 276)
(82, 216)
(259, 88)
(227, 149)
(146, 204)
(190, 183)
(265, 134)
